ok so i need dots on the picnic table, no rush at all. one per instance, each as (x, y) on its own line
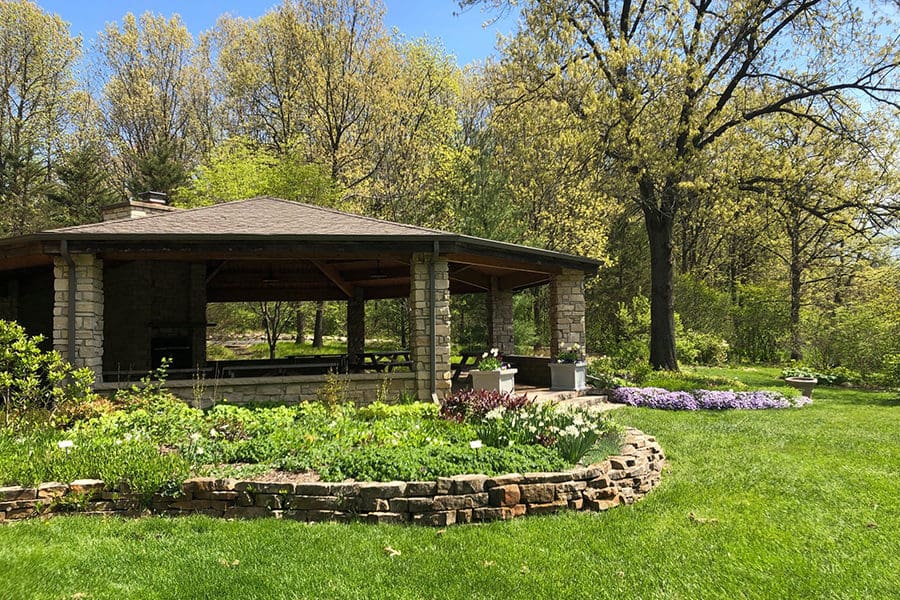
(316, 364)
(387, 360)
(465, 356)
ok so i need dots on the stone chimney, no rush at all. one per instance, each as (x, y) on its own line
(147, 203)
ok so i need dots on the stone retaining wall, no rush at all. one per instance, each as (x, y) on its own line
(620, 479)
(364, 388)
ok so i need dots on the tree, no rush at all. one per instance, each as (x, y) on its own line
(83, 184)
(239, 168)
(823, 193)
(659, 84)
(155, 98)
(275, 321)
(37, 56)
(305, 75)
(418, 150)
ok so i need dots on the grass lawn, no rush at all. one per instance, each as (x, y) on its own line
(786, 504)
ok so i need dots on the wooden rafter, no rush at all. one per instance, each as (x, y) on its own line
(334, 276)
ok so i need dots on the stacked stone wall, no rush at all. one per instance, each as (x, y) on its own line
(500, 319)
(361, 388)
(88, 311)
(620, 479)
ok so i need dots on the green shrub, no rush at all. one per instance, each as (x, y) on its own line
(602, 375)
(761, 326)
(35, 385)
(698, 348)
(380, 410)
(891, 370)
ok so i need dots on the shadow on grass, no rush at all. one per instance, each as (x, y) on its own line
(891, 400)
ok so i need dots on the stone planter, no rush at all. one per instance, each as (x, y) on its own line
(503, 380)
(568, 376)
(804, 384)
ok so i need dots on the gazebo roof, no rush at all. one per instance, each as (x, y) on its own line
(272, 249)
(266, 222)
(257, 217)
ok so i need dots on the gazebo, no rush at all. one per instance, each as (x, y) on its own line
(117, 295)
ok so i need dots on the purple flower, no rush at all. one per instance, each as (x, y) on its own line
(703, 399)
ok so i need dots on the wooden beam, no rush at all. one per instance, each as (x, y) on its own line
(215, 271)
(517, 281)
(10, 263)
(472, 278)
(335, 277)
(489, 261)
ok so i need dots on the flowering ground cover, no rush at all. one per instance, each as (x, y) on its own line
(769, 504)
(653, 397)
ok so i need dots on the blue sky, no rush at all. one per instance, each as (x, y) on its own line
(461, 35)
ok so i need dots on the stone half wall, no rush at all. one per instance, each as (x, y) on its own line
(620, 479)
(362, 388)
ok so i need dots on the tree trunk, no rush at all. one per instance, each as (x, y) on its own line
(796, 288)
(270, 324)
(662, 296)
(299, 324)
(317, 328)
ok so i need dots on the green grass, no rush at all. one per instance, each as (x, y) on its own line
(287, 349)
(787, 504)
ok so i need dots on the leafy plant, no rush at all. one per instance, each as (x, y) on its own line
(474, 404)
(36, 385)
(412, 464)
(334, 392)
(571, 354)
(490, 361)
(835, 376)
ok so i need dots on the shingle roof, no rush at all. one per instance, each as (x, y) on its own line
(262, 216)
(268, 219)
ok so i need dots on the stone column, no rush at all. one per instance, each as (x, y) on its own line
(88, 311)
(356, 327)
(500, 318)
(420, 324)
(566, 311)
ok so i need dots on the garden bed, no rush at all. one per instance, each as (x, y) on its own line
(622, 478)
(324, 460)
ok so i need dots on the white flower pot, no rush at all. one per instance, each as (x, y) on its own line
(568, 376)
(503, 380)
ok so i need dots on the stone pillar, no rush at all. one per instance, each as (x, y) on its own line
(420, 324)
(500, 318)
(356, 327)
(88, 311)
(566, 311)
